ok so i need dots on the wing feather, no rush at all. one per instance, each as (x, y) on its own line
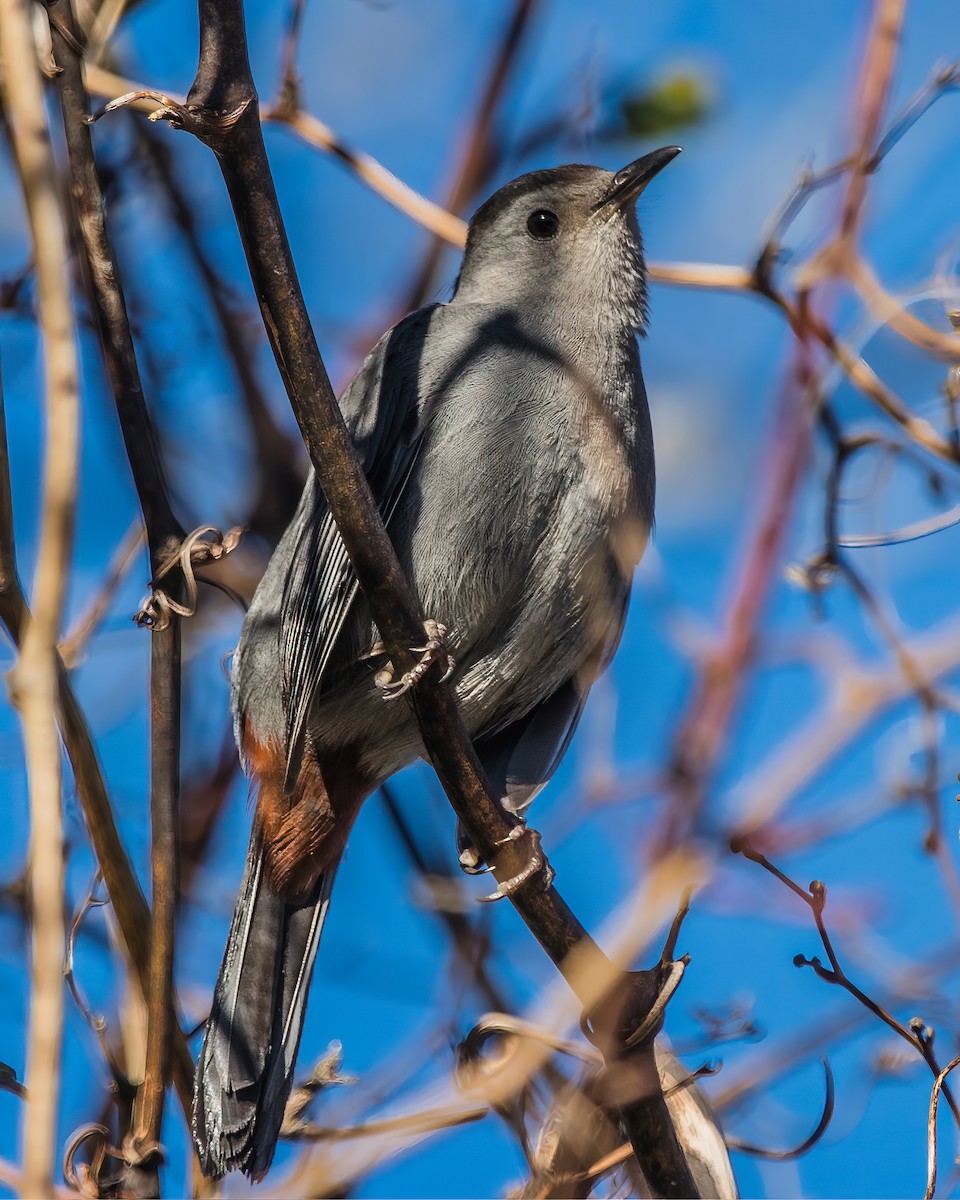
(385, 413)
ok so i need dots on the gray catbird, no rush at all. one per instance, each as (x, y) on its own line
(507, 441)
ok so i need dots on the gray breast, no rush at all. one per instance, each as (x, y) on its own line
(536, 467)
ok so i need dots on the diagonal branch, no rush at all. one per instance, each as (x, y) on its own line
(310, 129)
(281, 474)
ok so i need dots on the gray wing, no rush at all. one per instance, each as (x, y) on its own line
(520, 759)
(385, 414)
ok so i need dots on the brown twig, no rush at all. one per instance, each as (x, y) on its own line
(126, 898)
(942, 80)
(281, 471)
(164, 533)
(777, 1058)
(462, 931)
(875, 80)
(34, 684)
(142, 1147)
(72, 646)
(918, 1035)
(96, 1023)
(701, 734)
(314, 132)
(927, 697)
(938, 1086)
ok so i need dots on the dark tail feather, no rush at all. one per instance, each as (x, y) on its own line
(249, 1050)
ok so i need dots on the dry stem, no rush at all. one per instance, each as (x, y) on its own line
(35, 681)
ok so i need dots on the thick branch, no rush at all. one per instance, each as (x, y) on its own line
(223, 80)
(106, 296)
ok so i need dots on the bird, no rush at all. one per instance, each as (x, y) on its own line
(506, 438)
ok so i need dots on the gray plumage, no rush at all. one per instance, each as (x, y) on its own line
(507, 441)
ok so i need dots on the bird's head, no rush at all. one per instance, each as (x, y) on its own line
(566, 238)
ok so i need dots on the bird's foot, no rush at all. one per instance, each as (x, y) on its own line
(536, 864)
(432, 652)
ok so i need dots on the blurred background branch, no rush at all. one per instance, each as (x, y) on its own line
(33, 687)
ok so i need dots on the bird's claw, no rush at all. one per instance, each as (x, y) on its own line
(536, 864)
(471, 863)
(432, 652)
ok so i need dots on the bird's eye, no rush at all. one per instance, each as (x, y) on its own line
(542, 223)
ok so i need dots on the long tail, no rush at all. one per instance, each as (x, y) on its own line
(245, 1070)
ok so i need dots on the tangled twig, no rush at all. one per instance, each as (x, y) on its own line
(195, 550)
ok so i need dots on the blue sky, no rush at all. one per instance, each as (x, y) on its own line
(400, 79)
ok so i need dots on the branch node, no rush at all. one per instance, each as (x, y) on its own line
(207, 124)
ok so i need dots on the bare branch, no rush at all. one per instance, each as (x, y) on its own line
(808, 1142)
(312, 131)
(35, 682)
(876, 76)
(918, 1035)
(938, 1085)
(164, 538)
(72, 646)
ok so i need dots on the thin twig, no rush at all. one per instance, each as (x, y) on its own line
(943, 79)
(938, 1085)
(702, 732)
(463, 932)
(97, 1023)
(35, 684)
(914, 983)
(278, 454)
(808, 1142)
(164, 533)
(315, 133)
(875, 81)
(126, 898)
(919, 1036)
(72, 646)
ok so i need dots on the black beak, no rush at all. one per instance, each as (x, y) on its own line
(630, 182)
